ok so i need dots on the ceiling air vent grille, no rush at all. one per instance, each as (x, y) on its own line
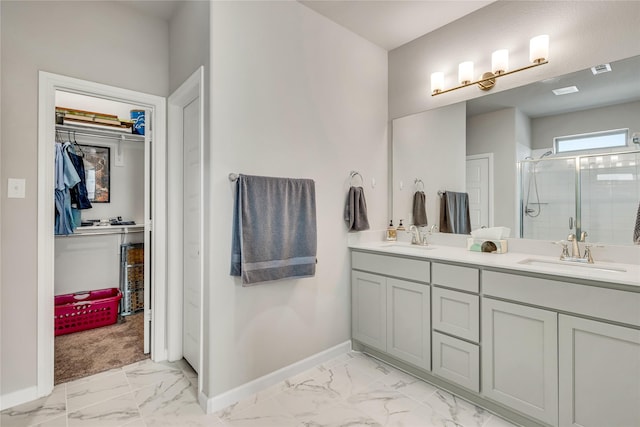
(599, 69)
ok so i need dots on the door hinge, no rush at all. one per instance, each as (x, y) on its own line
(149, 225)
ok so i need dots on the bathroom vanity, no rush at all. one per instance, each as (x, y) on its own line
(537, 341)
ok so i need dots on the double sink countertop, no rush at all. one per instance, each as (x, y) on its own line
(607, 272)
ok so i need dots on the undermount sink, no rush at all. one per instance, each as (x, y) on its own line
(571, 265)
(407, 246)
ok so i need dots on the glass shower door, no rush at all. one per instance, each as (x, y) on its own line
(548, 202)
(610, 193)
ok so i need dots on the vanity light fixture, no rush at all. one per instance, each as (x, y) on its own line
(538, 55)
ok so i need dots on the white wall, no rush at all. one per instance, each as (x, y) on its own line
(496, 133)
(429, 146)
(582, 33)
(97, 41)
(620, 116)
(292, 94)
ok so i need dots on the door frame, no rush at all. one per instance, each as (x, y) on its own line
(188, 91)
(489, 157)
(48, 84)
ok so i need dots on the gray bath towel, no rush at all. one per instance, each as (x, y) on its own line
(636, 230)
(355, 210)
(419, 209)
(454, 213)
(274, 229)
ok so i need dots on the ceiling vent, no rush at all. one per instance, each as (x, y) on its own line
(599, 69)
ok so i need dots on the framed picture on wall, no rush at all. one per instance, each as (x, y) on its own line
(97, 170)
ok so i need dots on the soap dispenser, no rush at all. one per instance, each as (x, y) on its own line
(401, 227)
(392, 235)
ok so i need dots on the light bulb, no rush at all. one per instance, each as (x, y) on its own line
(500, 61)
(465, 72)
(539, 49)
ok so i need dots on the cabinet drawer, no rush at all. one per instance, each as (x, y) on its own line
(456, 313)
(454, 276)
(404, 268)
(457, 361)
(609, 304)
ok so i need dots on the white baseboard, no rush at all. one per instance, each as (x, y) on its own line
(9, 400)
(244, 391)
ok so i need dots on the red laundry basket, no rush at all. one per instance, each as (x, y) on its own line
(86, 310)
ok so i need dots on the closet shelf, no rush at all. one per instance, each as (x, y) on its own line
(101, 132)
(105, 230)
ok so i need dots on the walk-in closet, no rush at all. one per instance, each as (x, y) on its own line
(99, 282)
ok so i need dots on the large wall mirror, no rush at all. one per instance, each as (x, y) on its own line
(538, 193)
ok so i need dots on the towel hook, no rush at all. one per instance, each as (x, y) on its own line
(440, 193)
(352, 175)
(417, 182)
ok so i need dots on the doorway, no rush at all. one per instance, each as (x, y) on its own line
(479, 186)
(154, 221)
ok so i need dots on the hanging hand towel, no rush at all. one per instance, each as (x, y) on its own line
(419, 209)
(274, 229)
(355, 211)
(636, 230)
(454, 213)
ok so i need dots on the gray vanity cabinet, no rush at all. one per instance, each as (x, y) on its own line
(391, 306)
(519, 358)
(456, 324)
(599, 374)
(408, 322)
(369, 309)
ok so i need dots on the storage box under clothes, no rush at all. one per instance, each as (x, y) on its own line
(132, 278)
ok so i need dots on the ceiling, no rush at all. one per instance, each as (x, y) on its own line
(386, 23)
(390, 24)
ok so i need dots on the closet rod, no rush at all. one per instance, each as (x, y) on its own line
(100, 233)
(100, 133)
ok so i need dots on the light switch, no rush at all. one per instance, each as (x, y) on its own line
(16, 188)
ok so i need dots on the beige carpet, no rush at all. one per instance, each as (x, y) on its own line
(86, 353)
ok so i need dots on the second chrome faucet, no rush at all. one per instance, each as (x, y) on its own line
(575, 249)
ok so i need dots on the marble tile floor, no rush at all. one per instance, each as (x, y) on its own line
(351, 390)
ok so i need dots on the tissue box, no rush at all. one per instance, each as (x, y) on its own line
(487, 245)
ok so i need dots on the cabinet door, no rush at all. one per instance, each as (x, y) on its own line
(408, 322)
(520, 358)
(599, 374)
(368, 309)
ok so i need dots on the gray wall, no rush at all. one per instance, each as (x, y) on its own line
(582, 34)
(429, 146)
(496, 133)
(292, 94)
(620, 116)
(77, 39)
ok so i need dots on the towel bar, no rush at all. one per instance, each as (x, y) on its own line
(233, 176)
(353, 174)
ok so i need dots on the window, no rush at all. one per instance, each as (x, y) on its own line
(591, 141)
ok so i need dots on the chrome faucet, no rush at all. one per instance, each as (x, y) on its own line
(417, 238)
(575, 249)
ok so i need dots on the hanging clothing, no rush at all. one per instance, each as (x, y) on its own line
(65, 178)
(79, 194)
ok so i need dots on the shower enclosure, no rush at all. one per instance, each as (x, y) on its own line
(596, 193)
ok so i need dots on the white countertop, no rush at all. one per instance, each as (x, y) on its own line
(615, 273)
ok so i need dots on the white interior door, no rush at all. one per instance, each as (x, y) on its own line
(148, 227)
(478, 187)
(192, 261)
(186, 121)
